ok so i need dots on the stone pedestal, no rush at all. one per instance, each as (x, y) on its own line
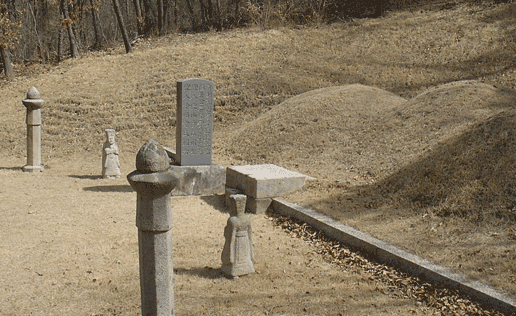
(153, 183)
(261, 183)
(33, 104)
(197, 180)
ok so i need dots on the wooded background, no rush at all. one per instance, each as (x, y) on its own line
(52, 30)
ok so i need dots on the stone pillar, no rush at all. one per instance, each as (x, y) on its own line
(33, 104)
(153, 183)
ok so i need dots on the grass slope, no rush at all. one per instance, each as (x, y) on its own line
(429, 166)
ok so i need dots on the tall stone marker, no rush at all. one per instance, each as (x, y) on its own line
(153, 182)
(33, 103)
(194, 129)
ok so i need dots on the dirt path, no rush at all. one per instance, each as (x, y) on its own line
(69, 247)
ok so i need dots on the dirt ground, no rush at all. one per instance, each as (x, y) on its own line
(69, 247)
(407, 122)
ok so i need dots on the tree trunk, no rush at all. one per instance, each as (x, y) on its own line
(219, 19)
(203, 14)
(176, 15)
(60, 46)
(192, 15)
(161, 19)
(71, 37)
(74, 52)
(148, 17)
(237, 12)
(6, 60)
(210, 13)
(96, 32)
(121, 24)
(139, 18)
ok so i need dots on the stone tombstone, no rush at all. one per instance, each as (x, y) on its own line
(237, 255)
(194, 121)
(110, 161)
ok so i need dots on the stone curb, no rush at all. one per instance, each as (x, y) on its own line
(393, 256)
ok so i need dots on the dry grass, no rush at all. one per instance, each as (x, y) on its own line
(436, 167)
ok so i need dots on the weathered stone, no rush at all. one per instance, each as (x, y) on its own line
(152, 184)
(110, 161)
(33, 93)
(156, 273)
(152, 158)
(33, 103)
(171, 154)
(33, 100)
(194, 122)
(154, 222)
(199, 180)
(258, 206)
(264, 181)
(237, 255)
(227, 195)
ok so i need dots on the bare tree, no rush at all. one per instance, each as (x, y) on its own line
(9, 34)
(6, 61)
(67, 22)
(97, 30)
(60, 46)
(116, 7)
(139, 17)
(160, 16)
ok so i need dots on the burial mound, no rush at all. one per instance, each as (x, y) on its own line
(358, 134)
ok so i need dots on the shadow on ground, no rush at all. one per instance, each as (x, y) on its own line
(206, 272)
(109, 188)
(217, 202)
(86, 177)
(10, 168)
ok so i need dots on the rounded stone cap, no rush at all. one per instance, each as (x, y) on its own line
(33, 100)
(33, 93)
(152, 158)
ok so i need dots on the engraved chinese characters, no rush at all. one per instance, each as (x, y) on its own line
(194, 121)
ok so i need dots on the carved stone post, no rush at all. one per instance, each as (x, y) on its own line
(153, 183)
(33, 104)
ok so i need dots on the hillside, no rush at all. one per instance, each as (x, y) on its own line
(406, 121)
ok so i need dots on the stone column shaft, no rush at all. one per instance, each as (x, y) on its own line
(156, 272)
(153, 183)
(33, 119)
(154, 222)
(33, 145)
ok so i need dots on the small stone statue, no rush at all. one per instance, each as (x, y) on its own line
(237, 255)
(110, 162)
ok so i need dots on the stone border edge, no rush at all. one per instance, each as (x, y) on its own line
(391, 255)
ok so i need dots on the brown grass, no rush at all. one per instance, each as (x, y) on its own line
(431, 161)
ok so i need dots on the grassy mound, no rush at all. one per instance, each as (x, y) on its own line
(448, 148)
(321, 132)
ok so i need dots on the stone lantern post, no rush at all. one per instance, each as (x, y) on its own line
(153, 183)
(33, 104)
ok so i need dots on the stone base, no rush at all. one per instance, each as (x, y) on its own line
(257, 206)
(264, 181)
(199, 180)
(32, 169)
(237, 270)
